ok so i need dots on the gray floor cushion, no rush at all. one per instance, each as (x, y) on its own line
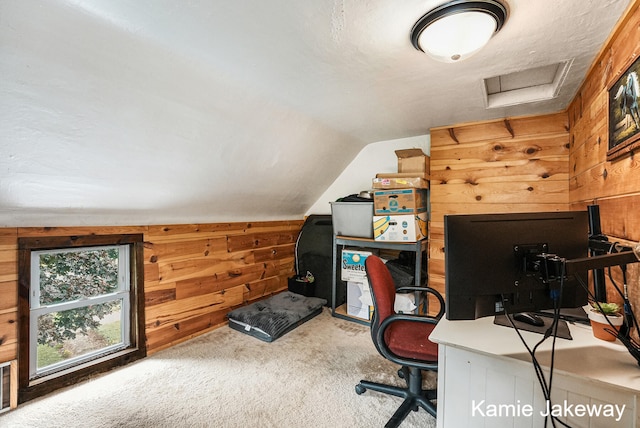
(269, 319)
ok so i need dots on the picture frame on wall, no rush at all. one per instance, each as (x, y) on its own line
(624, 113)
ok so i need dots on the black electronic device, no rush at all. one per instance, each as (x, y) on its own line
(497, 263)
(597, 246)
(529, 318)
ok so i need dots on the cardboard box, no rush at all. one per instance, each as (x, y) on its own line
(413, 160)
(400, 228)
(352, 219)
(399, 181)
(399, 201)
(359, 293)
(359, 301)
(362, 312)
(413, 172)
(352, 265)
(401, 175)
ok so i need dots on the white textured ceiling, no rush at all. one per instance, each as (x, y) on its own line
(148, 111)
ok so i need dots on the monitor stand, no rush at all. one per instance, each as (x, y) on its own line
(562, 331)
(572, 315)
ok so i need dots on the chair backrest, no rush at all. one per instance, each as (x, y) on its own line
(383, 289)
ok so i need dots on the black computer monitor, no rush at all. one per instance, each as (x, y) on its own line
(505, 262)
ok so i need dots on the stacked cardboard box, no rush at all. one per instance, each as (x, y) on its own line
(413, 172)
(359, 301)
(359, 297)
(400, 200)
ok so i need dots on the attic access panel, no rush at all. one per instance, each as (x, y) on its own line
(525, 86)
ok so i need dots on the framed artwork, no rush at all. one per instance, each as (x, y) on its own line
(624, 114)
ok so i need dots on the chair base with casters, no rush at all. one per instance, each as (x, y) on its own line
(414, 396)
(402, 339)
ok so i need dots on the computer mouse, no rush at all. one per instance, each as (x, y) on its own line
(529, 318)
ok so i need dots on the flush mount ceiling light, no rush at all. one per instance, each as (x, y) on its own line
(457, 29)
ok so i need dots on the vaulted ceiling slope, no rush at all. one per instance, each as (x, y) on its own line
(159, 111)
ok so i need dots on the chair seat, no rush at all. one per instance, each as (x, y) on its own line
(404, 340)
(411, 340)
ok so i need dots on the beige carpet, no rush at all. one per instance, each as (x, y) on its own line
(225, 378)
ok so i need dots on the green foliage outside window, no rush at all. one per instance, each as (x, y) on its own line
(69, 276)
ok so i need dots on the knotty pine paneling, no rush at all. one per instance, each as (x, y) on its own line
(193, 273)
(613, 186)
(502, 129)
(8, 294)
(507, 165)
(198, 273)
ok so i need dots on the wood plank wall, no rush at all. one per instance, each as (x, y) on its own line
(542, 163)
(615, 185)
(194, 274)
(8, 294)
(508, 165)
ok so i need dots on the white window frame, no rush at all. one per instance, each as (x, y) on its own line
(36, 309)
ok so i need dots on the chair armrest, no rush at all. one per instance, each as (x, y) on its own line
(387, 353)
(427, 290)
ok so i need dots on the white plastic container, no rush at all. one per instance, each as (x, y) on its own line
(353, 219)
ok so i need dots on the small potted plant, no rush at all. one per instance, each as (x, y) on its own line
(598, 314)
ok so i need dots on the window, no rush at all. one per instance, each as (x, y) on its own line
(78, 306)
(81, 308)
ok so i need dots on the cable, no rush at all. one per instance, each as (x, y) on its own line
(551, 331)
(556, 319)
(632, 346)
(628, 310)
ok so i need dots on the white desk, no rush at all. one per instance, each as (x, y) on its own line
(486, 378)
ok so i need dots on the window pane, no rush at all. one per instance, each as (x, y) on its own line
(71, 334)
(67, 276)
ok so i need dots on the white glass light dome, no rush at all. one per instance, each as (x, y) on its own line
(458, 29)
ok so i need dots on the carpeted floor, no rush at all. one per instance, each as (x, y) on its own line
(228, 379)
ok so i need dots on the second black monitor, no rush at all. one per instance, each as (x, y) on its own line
(512, 261)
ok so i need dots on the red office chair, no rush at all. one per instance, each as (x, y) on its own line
(402, 339)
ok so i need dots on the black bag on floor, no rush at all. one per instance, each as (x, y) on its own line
(313, 254)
